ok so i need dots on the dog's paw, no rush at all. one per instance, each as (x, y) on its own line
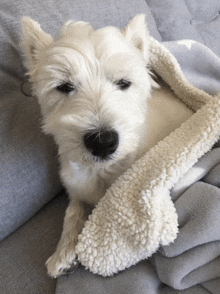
(59, 263)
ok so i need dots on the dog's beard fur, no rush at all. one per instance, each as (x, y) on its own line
(88, 82)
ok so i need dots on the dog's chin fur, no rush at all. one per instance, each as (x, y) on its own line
(77, 79)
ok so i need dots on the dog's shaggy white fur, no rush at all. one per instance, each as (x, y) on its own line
(95, 93)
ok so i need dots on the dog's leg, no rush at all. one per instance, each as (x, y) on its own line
(64, 255)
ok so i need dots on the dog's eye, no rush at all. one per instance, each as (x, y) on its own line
(65, 88)
(123, 84)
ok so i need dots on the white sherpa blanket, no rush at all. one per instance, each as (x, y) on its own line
(136, 215)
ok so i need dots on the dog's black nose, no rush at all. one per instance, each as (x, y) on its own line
(101, 143)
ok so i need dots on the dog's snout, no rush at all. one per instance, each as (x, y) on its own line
(101, 143)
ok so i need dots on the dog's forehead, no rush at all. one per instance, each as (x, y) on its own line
(109, 41)
(103, 42)
(105, 50)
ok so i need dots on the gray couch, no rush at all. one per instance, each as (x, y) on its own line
(32, 199)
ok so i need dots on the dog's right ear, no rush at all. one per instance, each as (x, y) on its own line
(34, 40)
(136, 33)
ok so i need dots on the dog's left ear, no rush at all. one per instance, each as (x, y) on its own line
(136, 33)
(34, 40)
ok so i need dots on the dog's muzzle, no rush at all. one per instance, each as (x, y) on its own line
(101, 143)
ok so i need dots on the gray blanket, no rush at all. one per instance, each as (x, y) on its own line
(192, 263)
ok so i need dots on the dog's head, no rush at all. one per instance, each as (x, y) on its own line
(92, 87)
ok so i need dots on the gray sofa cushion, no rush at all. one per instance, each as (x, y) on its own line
(23, 254)
(28, 163)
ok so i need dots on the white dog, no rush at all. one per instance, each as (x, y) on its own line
(95, 93)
